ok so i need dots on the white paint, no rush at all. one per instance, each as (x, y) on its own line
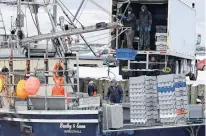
(51, 112)
(52, 120)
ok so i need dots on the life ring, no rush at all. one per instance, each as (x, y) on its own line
(5, 85)
(1, 83)
(58, 79)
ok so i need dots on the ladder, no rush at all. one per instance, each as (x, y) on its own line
(3, 26)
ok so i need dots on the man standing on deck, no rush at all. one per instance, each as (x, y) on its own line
(115, 92)
(144, 28)
(92, 89)
(130, 22)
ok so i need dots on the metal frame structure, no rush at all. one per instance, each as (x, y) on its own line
(62, 48)
(147, 62)
(46, 71)
(20, 42)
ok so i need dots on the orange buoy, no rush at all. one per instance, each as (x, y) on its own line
(56, 79)
(58, 90)
(32, 85)
(20, 90)
(1, 84)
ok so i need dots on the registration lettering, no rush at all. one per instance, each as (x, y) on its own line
(72, 127)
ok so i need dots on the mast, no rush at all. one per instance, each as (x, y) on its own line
(55, 12)
(18, 23)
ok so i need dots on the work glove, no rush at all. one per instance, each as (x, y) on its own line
(124, 17)
(120, 100)
(149, 28)
(107, 99)
(138, 28)
(128, 19)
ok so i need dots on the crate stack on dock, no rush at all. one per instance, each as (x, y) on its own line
(182, 101)
(173, 99)
(143, 100)
(161, 38)
(112, 120)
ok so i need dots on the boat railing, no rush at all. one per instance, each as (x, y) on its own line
(75, 102)
(44, 99)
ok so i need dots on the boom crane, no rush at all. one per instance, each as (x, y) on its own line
(98, 27)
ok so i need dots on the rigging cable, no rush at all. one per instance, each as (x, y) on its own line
(96, 35)
(99, 39)
(70, 13)
(107, 45)
(99, 6)
(81, 12)
(125, 10)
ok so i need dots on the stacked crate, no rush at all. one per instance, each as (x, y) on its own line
(161, 38)
(166, 97)
(182, 102)
(173, 99)
(143, 100)
(112, 120)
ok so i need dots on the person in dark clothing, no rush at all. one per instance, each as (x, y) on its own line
(115, 92)
(91, 88)
(144, 28)
(130, 21)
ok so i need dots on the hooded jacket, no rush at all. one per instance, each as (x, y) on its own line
(115, 93)
(91, 89)
(145, 18)
(131, 20)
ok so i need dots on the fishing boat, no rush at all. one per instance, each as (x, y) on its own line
(29, 104)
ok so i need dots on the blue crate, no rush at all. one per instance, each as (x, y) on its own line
(125, 54)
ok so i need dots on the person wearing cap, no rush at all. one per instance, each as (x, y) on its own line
(144, 28)
(115, 92)
(91, 89)
(130, 22)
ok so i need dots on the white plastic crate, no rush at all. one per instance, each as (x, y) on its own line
(162, 37)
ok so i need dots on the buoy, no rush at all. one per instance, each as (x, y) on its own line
(20, 90)
(1, 85)
(32, 85)
(58, 90)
